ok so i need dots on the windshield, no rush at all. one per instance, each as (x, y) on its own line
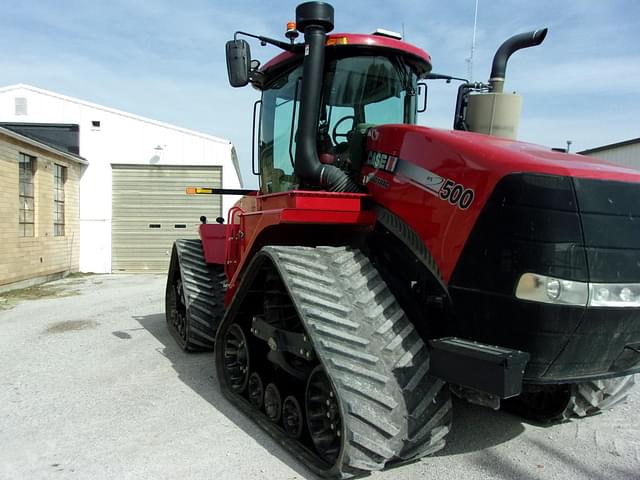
(374, 90)
(358, 92)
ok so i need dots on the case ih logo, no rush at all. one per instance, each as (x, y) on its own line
(445, 189)
(382, 161)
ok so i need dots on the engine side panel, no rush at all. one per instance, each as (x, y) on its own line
(410, 174)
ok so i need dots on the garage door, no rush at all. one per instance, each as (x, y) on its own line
(151, 210)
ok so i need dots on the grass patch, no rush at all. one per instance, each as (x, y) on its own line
(11, 298)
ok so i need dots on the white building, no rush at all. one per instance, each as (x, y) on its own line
(625, 153)
(132, 193)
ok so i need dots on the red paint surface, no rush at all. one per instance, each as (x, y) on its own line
(214, 239)
(329, 201)
(244, 230)
(353, 39)
(474, 160)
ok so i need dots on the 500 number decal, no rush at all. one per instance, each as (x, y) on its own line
(456, 194)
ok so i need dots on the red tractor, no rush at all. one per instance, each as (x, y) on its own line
(384, 265)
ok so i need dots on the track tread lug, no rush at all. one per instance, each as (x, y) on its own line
(369, 417)
(349, 352)
(356, 370)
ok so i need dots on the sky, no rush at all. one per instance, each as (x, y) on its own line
(164, 59)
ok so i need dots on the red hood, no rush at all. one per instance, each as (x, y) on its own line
(499, 155)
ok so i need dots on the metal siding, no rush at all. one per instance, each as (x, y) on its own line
(149, 194)
(626, 155)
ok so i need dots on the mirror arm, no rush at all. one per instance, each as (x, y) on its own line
(448, 78)
(276, 43)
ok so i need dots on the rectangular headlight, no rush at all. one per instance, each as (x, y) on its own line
(545, 289)
(541, 288)
(614, 295)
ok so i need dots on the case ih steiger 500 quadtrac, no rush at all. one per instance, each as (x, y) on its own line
(384, 265)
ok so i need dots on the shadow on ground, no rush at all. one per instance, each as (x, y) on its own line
(197, 371)
(474, 428)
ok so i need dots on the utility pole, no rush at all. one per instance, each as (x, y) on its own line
(473, 44)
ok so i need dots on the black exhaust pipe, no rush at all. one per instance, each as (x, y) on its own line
(511, 45)
(315, 19)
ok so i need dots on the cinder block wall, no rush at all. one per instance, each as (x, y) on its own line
(24, 258)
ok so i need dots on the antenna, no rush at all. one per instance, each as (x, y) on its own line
(473, 45)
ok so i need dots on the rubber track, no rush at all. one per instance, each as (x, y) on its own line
(590, 398)
(204, 295)
(392, 409)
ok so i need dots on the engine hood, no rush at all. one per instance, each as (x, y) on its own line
(502, 156)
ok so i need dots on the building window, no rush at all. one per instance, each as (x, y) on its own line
(59, 177)
(27, 165)
(21, 105)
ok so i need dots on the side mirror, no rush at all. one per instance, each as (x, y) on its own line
(422, 93)
(238, 62)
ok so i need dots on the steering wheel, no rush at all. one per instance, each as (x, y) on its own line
(334, 133)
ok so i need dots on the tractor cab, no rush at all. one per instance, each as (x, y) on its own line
(360, 89)
(325, 94)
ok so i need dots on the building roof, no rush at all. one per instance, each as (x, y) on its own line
(624, 143)
(36, 143)
(63, 136)
(22, 86)
(77, 101)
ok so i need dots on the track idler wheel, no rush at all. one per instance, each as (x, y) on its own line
(323, 415)
(292, 417)
(256, 390)
(273, 403)
(236, 358)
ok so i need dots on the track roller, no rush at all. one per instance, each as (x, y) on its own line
(273, 403)
(194, 297)
(256, 390)
(292, 417)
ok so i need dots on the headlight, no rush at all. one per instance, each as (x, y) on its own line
(614, 295)
(541, 288)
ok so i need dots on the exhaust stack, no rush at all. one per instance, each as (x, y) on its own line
(495, 112)
(315, 19)
(508, 48)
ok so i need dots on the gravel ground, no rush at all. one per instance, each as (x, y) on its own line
(92, 386)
